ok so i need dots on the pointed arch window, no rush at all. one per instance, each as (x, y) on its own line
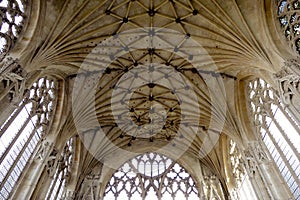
(23, 130)
(151, 176)
(278, 130)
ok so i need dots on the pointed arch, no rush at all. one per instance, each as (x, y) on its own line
(23, 131)
(153, 176)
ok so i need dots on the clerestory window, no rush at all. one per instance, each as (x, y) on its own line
(278, 130)
(22, 132)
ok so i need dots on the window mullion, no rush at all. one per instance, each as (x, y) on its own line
(291, 145)
(288, 117)
(18, 158)
(14, 140)
(59, 186)
(11, 119)
(56, 176)
(287, 164)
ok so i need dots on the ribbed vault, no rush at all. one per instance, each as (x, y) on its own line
(80, 25)
(146, 75)
(85, 39)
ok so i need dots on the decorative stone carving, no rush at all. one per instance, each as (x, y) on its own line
(259, 152)
(13, 76)
(89, 188)
(236, 163)
(70, 195)
(250, 162)
(51, 164)
(234, 194)
(288, 17)
(43, 150)
(212, 189)
(254, 155)
(59, 170)
(289, 83)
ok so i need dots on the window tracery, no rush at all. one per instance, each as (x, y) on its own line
(12, 15)
(279, 132)
(60, 170)
(289, 18)
(22, 132)
(151, 176)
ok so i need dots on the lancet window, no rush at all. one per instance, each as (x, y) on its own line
(278, 130)
(22, 132)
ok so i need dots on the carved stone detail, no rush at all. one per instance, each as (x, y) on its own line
(254, 155)
(43, 150)
(70, 195)
(13, 77)
(51, 163)
(91, 185)
(289, 83)
(288, 17)
(237, 163)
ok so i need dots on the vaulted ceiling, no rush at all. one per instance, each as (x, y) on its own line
(158, 73)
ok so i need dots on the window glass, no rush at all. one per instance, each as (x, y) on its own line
(278, 130)
(22, 132)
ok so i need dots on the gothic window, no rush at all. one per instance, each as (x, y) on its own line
(22, 131)
(289, 18)
(12, 14)
(151, 176)
(61, 171)
(278, 130)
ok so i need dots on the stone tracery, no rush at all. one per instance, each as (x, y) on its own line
(237, 42)
(21, 134)
(277, 130)
(12, 14)
(288, 15)
(155, 176)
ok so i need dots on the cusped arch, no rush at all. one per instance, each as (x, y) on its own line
(156, 176)
(153, 176)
